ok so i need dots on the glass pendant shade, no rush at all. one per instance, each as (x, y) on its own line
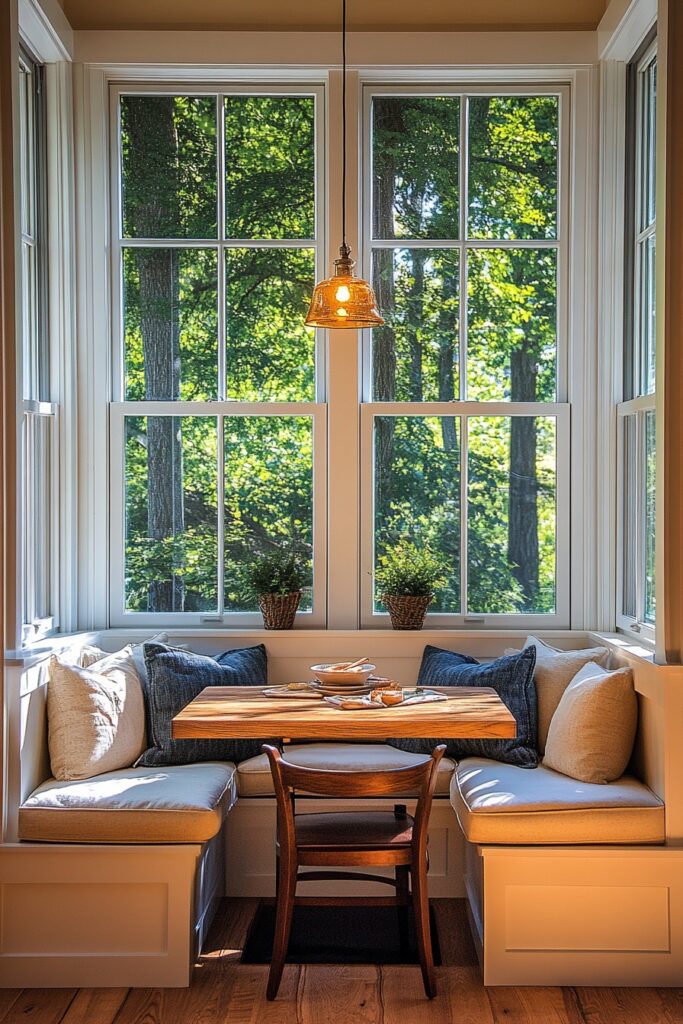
(343, 301)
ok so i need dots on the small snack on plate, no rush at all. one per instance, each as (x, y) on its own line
(390, 697)
(298, 686)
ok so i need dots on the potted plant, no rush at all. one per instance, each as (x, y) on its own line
(406, 578)
(276, 581)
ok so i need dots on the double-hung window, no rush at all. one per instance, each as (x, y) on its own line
(39, 413)
(636, 412)
(466, 421)
(217, 427)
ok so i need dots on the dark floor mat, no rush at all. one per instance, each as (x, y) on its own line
(339, 935)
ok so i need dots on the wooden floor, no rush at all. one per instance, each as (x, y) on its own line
(223, 991)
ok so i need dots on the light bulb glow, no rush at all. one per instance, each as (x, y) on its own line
(342, 312)
(343, 294)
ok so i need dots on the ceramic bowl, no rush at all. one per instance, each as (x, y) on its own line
(355, 676)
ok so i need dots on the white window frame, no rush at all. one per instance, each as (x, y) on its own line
(641, 404)
(119, 408)
(39, 476)
(560, 409)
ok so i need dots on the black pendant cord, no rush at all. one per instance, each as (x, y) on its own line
(344, 123)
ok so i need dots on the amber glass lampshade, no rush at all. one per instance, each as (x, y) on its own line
(343, 301)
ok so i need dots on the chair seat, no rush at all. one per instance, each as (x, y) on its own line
(501, 803)
(353, 830)
(254, 777)
(178, 804)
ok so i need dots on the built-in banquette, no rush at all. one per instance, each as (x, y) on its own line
(114, 881)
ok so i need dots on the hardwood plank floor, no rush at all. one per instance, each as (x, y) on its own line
(223, 991)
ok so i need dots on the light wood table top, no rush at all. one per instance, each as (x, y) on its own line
(243, 712)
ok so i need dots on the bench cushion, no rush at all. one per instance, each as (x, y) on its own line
(181, 804)
(254, 778)
(500, 803)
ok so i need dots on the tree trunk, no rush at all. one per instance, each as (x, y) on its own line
(448, 334)
(153, 144)
(415, 300)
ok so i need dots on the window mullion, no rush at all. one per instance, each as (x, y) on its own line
(220, 511)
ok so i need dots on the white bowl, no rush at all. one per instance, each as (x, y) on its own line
(355, 675)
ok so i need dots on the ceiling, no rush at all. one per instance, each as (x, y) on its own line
(318, 15)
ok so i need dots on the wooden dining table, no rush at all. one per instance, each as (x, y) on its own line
(244, 712)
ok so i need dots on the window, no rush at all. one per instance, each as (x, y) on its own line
(39, 417)
(217, 426)
(636, 413)
(466, 427)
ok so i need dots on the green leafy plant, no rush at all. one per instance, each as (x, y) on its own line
(278, 573)
(408, 571)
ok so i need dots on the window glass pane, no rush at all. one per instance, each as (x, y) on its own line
(648, 143)
(268, 498)
(650, 523)
(270, 166)
(647, 256)
(511, 507)
(26, 149)
(171, 514)
(270, 353)
(629, 565)
(416, 354)
(415, 153)
(37, 521)
(417, 493)
(170, 323)
(513, 143)
(512, 316)
(168, 150)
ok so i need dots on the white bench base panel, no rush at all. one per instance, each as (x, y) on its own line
(580, 915)
(101, 916)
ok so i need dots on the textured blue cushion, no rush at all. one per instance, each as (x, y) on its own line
(174, 679)
(512, 677)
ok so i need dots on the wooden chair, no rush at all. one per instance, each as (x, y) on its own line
(350, 839)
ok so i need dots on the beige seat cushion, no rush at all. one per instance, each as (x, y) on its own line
(182, 804)
(500, 803)
(254, 778)
(592, 732)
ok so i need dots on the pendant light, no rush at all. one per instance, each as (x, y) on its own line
(343, 301)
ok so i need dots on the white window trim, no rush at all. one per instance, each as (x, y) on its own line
(120, 407)
(561, 616)
(119, 62)
(634, 625)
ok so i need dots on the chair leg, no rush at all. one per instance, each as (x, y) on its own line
(403, 894)
(286, 887)
(418, 874)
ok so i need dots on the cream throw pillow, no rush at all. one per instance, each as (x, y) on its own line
(553, 673)
(592, 732)
(96, 716)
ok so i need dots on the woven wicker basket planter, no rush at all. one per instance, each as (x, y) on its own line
(278, 610)
(407, 612)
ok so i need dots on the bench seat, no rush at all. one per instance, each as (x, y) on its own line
(254, 778)
(503, 804)
(180, 804)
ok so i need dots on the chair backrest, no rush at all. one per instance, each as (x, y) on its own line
(420, 777)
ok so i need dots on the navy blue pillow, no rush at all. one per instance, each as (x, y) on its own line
(175, 678)
(512, 677)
